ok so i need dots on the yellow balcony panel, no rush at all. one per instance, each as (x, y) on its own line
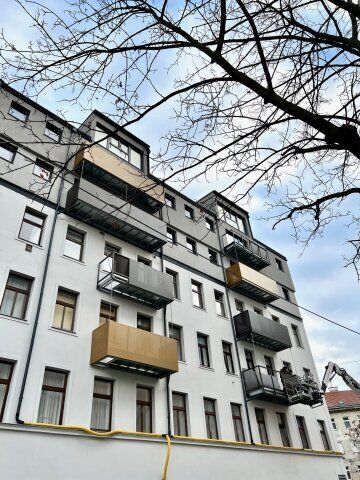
(115, 345)
(253, 284)
(120, 178)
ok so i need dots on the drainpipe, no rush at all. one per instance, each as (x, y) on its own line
(234, 335)
(42, 288)
(165, 335)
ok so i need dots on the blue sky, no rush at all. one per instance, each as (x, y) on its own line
(322, 283)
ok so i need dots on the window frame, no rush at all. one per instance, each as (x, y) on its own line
(269, 365)
(283, 428)
(176, 286)
(303, 433)
(10, 148)
(228, 358)
(82, 244)
(7, 383)
(189, 212)
(112, 316)
(203, 351)
(237, 419)
(176, 410)
(286, 293)
(170, 232)
(279, 264)
(261, 421)
(211, 414)
(61, 390)
(178, 339)
(51, 127)
(193, 249)
(249, 358)
(296, 334)
(219, 298)
(324, 434)
(170, 201)
(210, 224)
(213, 256)
(45, 166)
(17, 290)
(144, 403)
(199, 293)
(140, 315)
(346, 421)
(241, 304)
(145, 261)
(66, 305)
(104, 397)
(41, 227)
(18, 107)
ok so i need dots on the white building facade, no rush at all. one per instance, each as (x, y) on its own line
(127, 306)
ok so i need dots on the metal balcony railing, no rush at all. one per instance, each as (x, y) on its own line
(118, 346)
(128, 278)
(245, 250)
(259, 330)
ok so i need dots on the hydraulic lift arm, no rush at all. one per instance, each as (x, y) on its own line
(333, 369)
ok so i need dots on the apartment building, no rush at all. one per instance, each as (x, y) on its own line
(127, 306)
(344, 408)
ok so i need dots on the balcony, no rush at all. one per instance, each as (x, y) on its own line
(247, 281)
(96, 207)
(118, 346)
(246, 251)
(120, 178)
(262, 383)
(122, 276)
(264, 332)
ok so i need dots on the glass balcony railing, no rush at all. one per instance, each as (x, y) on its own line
(118, 346)
(128, 278)
(253, 284)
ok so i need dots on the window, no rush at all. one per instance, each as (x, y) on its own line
(169, 201)
(144, 261)
(283, 428)
(209, 224)
(239, 306)
(7, 152)
(179, 414)
(237, 421)
(346, 421)
(43, 170)
(52, 398)
(333, 423)
(286, 294)
(6, 371)
(19, 112)
(74, 244)
(269, 364)
(229, 364)
(342, 477)
(203, 348)
(32, 226)
(175, 280)
(171, 235)
(303, 432)
(143, 322)
(107, 312)
(323, 434)
(143, 409)
(102, 405)
(249, 359)
(231, 218)
(118, 147)
(53, 132)
(296, 333)
(279, 264)
(191, 245)
(109, 251)
(64, 315)
(213, 256)
(175, 332)
(260, 419)
(275, 318)
(258, 311)
(16, 296)
(288, 366)
(189, 212)
(197, 295)
(219, 303)
(210, 418)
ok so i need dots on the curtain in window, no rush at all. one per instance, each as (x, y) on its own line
(51, 400)
(5, 370)
(101, 407)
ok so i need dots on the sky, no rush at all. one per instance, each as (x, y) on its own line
(322, 283)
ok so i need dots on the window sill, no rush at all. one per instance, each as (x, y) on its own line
(79, 262)
(34, 245)
(200, 308)
(232, 374)
(183, 362)
(58, 330)
(13, 319)
(222, 316)
(209, 369)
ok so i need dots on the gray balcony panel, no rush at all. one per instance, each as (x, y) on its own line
(249, 252)
(262, 331)
(113, 215)
(259, 385)
(136, 281)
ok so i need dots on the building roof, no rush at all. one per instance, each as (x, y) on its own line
(342, 400)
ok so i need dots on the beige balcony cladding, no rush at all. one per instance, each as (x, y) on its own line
(251, 283)
(137, 351)
(109, 162)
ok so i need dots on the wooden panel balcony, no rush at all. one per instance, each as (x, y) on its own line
(118, 346)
